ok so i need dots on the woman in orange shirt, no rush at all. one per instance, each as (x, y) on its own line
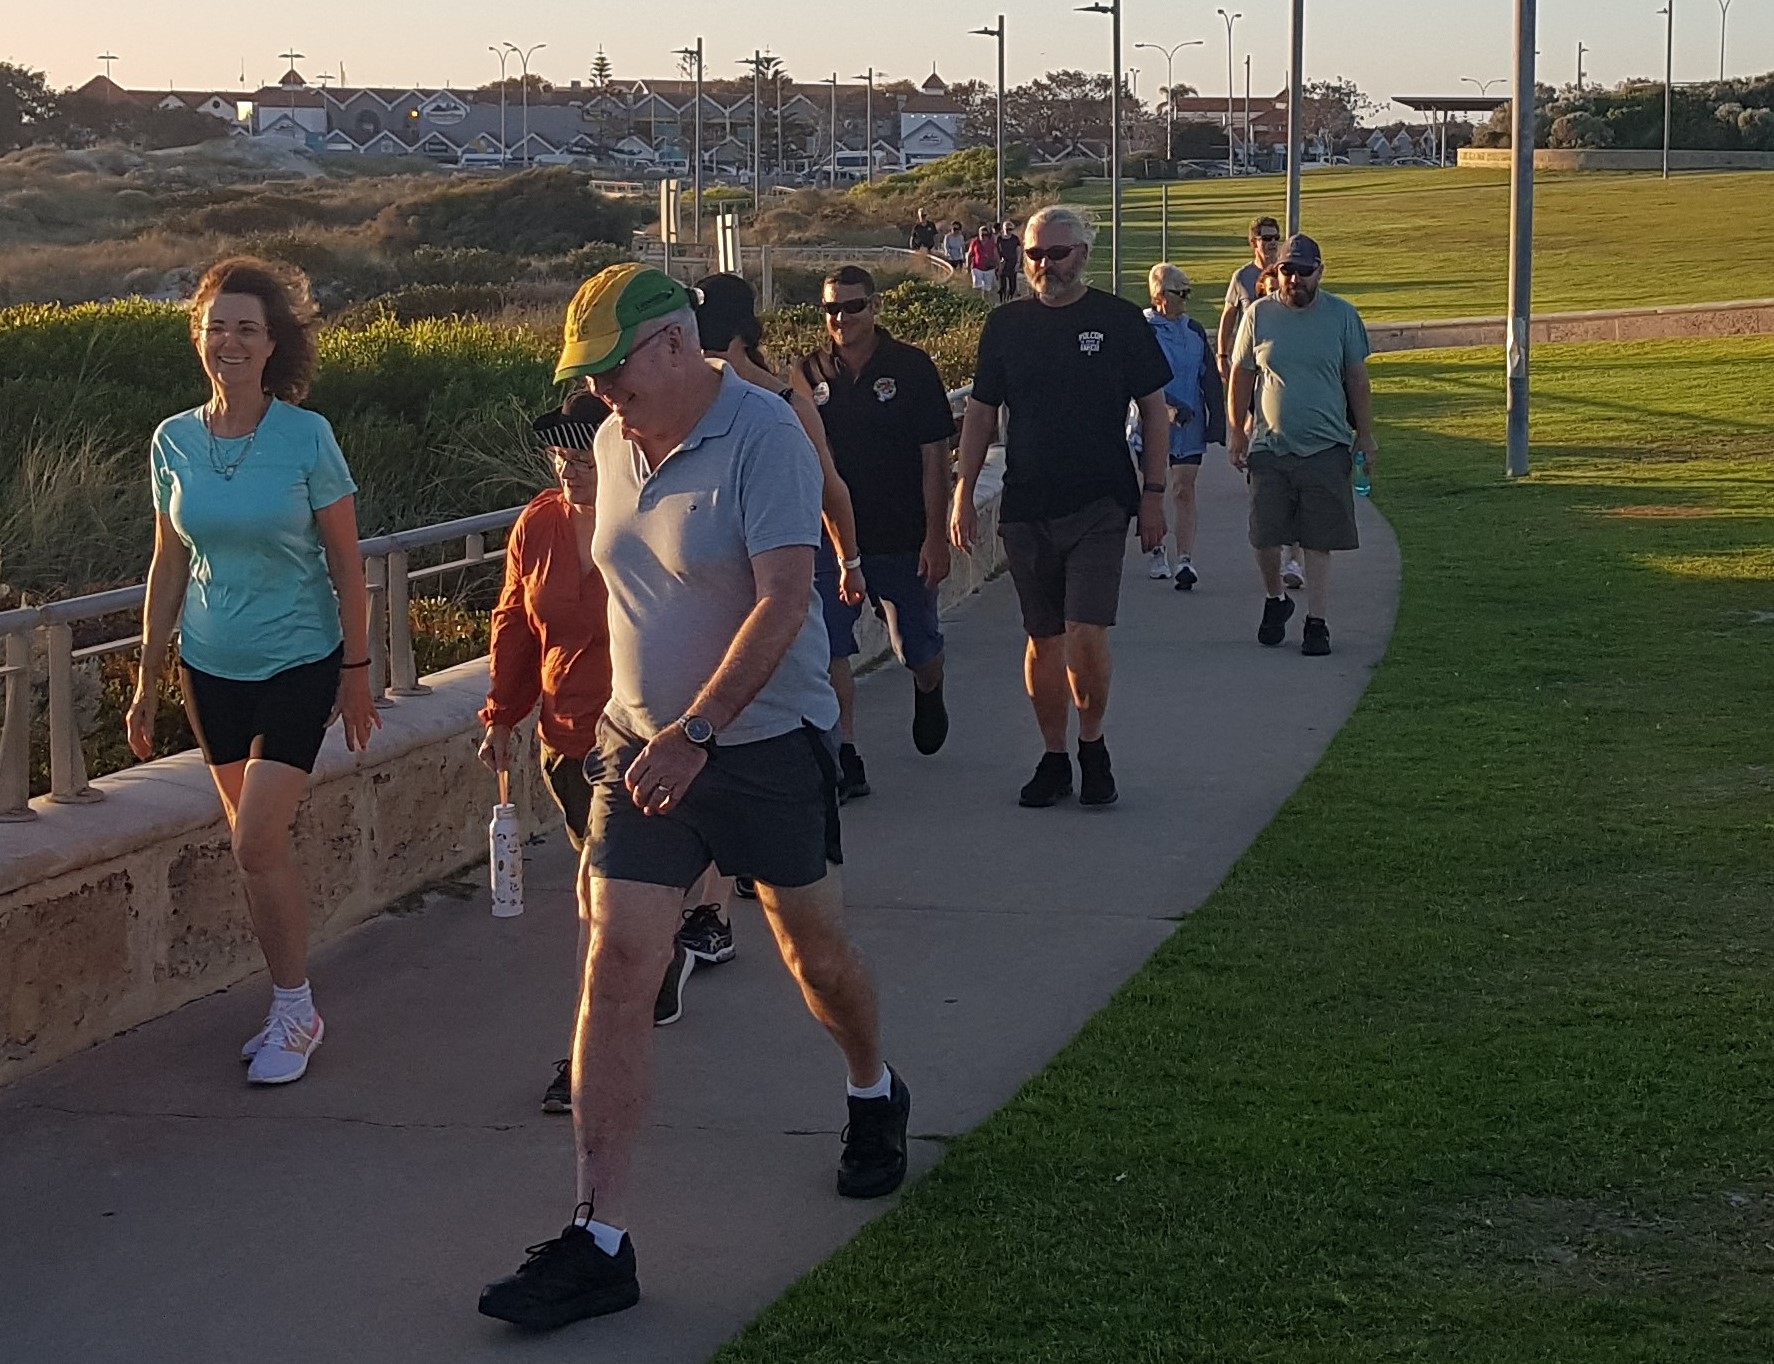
(551, 642)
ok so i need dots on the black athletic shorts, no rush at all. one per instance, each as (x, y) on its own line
(766, 810)
(281, 719)
(566, 779)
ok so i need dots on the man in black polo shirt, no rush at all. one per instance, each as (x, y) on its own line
(1067, 362)
(888, 423)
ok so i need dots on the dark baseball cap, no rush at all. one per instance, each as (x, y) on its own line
(573, 425)
(1300, 249)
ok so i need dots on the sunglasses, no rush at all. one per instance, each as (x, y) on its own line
(1266, 239)
(616, 371)
(847, 307)
(1291, 270)
(1054, 253)
(1176, 293)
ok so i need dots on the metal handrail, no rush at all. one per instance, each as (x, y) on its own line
(392, 668)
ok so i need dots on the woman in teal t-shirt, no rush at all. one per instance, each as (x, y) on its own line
(256, 563)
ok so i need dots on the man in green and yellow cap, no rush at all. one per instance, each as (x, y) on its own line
(718, 745)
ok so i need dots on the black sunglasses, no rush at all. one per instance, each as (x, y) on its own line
(1041, 253)
(1290, 269)
(1266, 239)
(849, 306)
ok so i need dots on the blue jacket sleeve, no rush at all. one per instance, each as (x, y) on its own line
(1213, 392)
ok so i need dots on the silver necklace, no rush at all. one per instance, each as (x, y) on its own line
(227, 468)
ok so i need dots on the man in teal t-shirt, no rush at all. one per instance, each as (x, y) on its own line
(1311, 349)
(260, 600)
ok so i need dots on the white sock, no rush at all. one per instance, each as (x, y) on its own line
(879, 1090)
(298, 1003)
(608, 1238)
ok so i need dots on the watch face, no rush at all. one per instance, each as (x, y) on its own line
(697, 730)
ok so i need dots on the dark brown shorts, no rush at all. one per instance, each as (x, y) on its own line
(1069, 568)
(1304, 500)
(766, 810)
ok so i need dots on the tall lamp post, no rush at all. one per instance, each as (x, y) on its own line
(1668, 11)
(834, 172)
(1113, 10)
(1296, 75)
(868, 119)
(292, 57)
(694, 54)
(1231, 167)
(1521, 237)
(998, 33)
(523, 56)
(1580, 51)
(108, 57)
(1724, 9)
(756, 63)
(504, 55)
(1170, 112)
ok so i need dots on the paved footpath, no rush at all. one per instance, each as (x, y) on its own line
(154, 1208)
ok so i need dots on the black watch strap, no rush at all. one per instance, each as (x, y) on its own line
(1152, 487)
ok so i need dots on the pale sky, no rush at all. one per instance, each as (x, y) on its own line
(1388, 47)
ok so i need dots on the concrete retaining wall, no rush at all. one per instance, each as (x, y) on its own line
(1616, 159)
(1748, 317)
(115, 913)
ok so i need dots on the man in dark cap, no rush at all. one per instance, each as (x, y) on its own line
(1311, 350)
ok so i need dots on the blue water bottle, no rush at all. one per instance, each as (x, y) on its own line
(1364, 485)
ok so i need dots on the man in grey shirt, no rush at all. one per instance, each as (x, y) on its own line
(718, 745)
(1311, 350)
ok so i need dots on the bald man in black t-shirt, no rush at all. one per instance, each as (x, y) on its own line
(1067, 362)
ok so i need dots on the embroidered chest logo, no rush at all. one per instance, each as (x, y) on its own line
(822, 393)
(1090, 343)
(885, 389)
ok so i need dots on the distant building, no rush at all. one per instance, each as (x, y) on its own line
(218, 104)
(930, 124)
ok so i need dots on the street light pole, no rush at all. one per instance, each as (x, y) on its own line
(1231, 165)
(1296, 74)
(523, 56)
(834, 130)
(108, 57)
(1668, 10)
(1247, 109)
(1170, 112)
(1113, 10)
(998, 33)
(1521, 237)
(757, 128)
(694, 54)
(1580, 51)
(868, 136)
(504, 55)
(1724, 9)
(292, 57)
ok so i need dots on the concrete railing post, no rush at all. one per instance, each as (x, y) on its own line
(15, 734)
(375, 573)
(67, 760)
(403, 671)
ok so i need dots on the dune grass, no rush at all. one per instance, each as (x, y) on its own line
(1419, 243)
(1469, 1058)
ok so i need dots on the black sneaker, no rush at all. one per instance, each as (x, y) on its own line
(852, 780)
(1052, 780)
(705, 935)
(744, 888)
(668, 1007)
(1277, 611)
(1315, 639)
(1096, 780)
(564, 1280)
(1186, 576)
(930, 719)
(873, 1163)
(558, 1097)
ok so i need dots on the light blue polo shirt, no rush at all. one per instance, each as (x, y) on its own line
(675, 547)
(259, 600)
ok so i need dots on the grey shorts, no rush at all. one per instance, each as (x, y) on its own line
(1304, 500)
(1069, 568)
(766, 810)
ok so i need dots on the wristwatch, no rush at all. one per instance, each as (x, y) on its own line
(699, 732)
(1152, 487)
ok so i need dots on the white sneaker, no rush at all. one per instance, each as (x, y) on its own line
(257, 1040)
(1291, 575)
(283, 1056)
(1160, 566)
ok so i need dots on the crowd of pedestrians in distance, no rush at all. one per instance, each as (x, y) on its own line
(680, 606)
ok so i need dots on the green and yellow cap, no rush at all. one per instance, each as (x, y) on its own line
(606, 312)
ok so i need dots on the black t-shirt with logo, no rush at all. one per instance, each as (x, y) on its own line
(876, 422)
(1068, 375)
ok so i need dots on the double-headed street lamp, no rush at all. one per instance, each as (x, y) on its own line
(1113, 10)
(504, 55)
(998, 33)
(1724, 10)
(1484, 87)
(1170, 98)
(1231, 164)
(523, 56)
(868, 135)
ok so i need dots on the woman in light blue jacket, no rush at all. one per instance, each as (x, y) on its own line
(1197, 402)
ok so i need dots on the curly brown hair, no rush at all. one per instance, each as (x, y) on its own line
(290, 317)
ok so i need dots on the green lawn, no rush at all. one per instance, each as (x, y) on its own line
(1470, 1058)
(1415, 243)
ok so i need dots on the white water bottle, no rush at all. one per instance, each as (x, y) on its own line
(505, 861)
